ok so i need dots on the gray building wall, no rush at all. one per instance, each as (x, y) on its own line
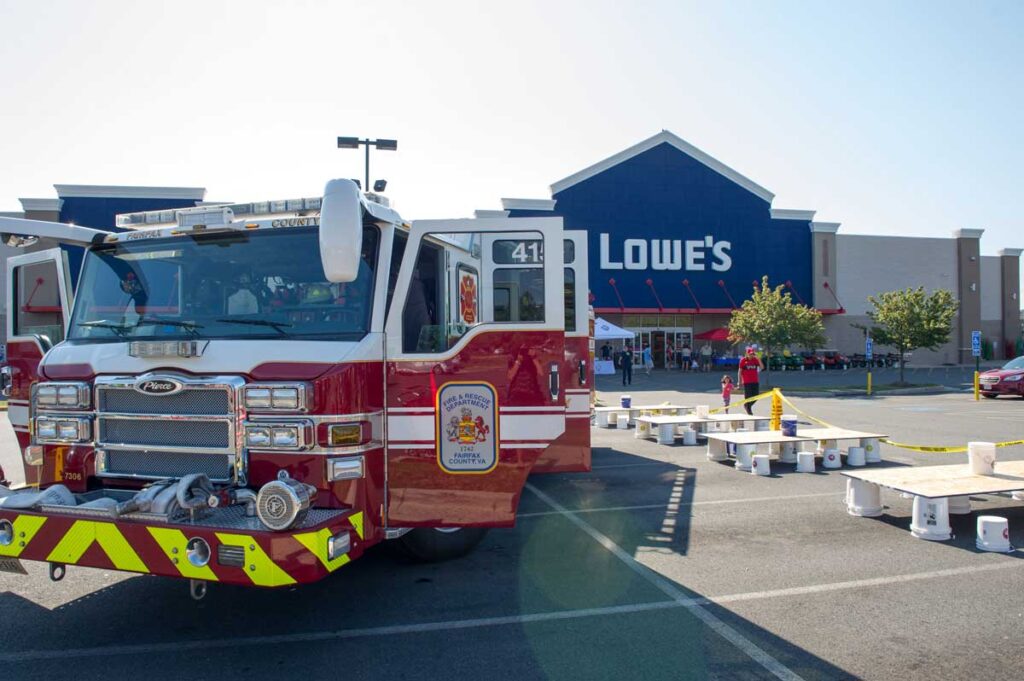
(868, 265)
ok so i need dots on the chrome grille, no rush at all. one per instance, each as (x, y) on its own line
(160, 436)
(189, 402)
(163, 433)
(137, 462)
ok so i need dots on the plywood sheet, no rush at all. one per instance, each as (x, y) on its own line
(837, 434)
(758, 437)
(946, 481)
(674, 420)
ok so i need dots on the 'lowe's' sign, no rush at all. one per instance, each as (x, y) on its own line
(663, 216)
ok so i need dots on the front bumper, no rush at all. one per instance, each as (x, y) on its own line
(241, 551)
(1002, 388)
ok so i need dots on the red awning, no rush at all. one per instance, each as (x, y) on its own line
(719, 334)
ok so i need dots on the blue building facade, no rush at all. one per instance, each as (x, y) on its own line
(677, 239)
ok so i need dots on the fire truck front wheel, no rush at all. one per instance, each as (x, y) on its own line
(431, 544)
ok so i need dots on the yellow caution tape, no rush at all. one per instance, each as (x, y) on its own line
(902, 445)
(755, 398)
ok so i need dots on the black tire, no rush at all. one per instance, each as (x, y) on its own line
(990, 396)
(431, 545)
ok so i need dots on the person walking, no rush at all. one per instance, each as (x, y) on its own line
(626, 360)
(606, 351)
(727, 386)
(705, 356)
(648, 358)
(686, 356)
(750, 366)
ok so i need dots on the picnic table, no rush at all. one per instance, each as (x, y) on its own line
(954, 480)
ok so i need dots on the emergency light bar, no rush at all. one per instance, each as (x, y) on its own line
(216, 215)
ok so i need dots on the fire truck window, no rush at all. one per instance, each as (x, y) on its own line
(397, 252)
(420, 329)
(37, 301)
(521, 290)
(570, 299)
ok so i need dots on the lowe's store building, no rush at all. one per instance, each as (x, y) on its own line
(677, 239)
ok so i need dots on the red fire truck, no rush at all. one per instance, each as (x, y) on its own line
(257, 393)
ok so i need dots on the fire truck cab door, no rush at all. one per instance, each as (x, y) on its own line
(475, 347)
(571, 452)
(38, 303)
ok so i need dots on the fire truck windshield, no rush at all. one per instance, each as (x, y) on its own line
(253, 284)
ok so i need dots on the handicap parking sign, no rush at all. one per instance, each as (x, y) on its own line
(869, 348)
(976, 343)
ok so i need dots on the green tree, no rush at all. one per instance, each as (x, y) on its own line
(910, 319)
(771, 319)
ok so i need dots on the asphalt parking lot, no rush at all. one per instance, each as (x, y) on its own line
(657, 564)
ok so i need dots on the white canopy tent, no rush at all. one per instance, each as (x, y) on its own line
(604, 330)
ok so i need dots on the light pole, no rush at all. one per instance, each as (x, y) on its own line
(355, 142)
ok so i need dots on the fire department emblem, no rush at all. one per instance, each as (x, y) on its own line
(467, 436)
(467, 297)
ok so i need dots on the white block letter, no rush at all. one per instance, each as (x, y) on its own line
(606, 263)
(635, 254)
(666, 255)
(723, 259)
(695, 255)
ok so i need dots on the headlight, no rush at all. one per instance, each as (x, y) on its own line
(46, 395)
(257, 437)
(1014, 378)
(285, 437)
(51, 429)
(295, 435)
(271, 397)
(46, 429)
(61, 395)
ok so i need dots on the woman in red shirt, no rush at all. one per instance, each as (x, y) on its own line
(750, 365)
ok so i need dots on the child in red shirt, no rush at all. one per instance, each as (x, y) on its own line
(727, 387)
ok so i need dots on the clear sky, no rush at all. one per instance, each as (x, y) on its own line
(889, 117)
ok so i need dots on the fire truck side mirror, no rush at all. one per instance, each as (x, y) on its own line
(341, 230)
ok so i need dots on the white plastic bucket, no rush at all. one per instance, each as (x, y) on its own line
(689, 437)
(601, 419)
(761, 464)
(960, 505)
(863, 499)
(702, 411)
(805, 462)
(855, 456)
(830, 459)
(622, 423)
(626, 401)
(643, 430)
(993, 534)
(982, 457)
(666, 434)
(789, 425)
(787, 452)
(931, 519)
(762, 425)
(744, 457)
(872, 450)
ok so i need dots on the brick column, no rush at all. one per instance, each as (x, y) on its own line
(968, 274)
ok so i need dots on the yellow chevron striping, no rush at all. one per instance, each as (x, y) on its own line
(170, 539)
(117, 548)
(25, 528)
(258, 566)
(77, 540)
(357, 522)
(316, 542)
(74, 543)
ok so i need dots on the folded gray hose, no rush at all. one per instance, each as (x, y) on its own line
(194, 490)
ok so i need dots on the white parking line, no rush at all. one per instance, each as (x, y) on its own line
(709, 502)
(727, 632)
